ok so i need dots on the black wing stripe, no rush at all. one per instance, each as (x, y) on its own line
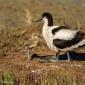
(67, 43)
(58, 29)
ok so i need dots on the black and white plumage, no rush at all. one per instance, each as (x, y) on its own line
(61, 38)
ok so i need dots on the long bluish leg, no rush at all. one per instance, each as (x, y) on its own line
(57, 56)
(68, 56)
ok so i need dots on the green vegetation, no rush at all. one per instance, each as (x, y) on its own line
(7, 79)
(55, 77)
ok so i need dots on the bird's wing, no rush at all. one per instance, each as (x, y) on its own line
(78, 40)
(82, 34)
(65, 34)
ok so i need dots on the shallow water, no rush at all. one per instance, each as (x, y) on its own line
(73, 56)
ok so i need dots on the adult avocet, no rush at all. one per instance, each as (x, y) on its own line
(61, 38)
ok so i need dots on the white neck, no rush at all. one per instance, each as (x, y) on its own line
(45, 22)
(45, 28)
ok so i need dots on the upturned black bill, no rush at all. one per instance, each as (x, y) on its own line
(38, 20)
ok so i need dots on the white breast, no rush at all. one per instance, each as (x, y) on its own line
(48, 36)
(65, 34)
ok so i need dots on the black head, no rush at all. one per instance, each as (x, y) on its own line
(49, 17)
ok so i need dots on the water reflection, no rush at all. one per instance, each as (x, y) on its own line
(73, 56)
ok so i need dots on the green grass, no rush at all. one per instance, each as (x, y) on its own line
(55, 77)
(7, 79)
(70, 75)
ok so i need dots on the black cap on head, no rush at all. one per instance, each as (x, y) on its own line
(46, 15)
(49, 17)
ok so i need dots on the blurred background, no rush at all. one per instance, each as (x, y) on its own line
(18, 13)
(16, 19)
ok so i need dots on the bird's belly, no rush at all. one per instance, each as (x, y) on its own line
(49, 40)
(50, 44)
